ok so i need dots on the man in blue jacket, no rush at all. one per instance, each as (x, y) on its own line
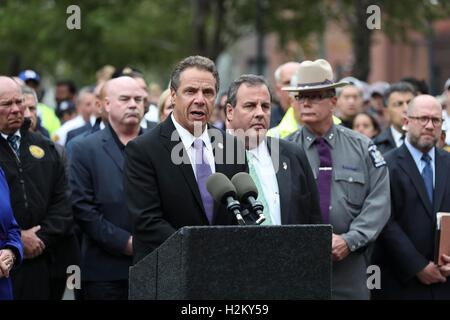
(97, 193)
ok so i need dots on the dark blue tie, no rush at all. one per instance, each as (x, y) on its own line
(13, 141)
(427, 175)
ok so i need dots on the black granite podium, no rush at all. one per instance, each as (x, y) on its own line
(237, 262)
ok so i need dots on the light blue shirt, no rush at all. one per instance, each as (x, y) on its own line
(417, 155)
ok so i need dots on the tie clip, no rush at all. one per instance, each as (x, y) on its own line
(325, 168)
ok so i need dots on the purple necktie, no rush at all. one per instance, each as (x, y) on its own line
(203, 171)
(324, 179)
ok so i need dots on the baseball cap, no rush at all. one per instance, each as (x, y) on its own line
(29, 74)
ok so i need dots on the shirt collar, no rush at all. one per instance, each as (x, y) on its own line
(188, 138)
(17, 133)
(261, 152)
(310, 137)
(417, 154)
(396, 135)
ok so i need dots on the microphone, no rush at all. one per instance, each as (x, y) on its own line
(248, 193)
(223, 191)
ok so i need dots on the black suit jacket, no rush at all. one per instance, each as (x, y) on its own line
(38, 192)
(299, 198)
(96, 175)
(407, 243)
(385, 141)
(76, 132)
(163, 196)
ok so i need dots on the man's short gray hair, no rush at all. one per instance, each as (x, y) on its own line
(26, 90)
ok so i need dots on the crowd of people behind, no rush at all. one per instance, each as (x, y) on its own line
(90, 181)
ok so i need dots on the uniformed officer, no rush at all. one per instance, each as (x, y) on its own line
(38, 185)
(351, 175)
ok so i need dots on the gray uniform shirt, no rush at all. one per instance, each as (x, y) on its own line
(360, 201)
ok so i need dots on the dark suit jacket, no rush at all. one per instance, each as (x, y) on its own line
(163, 196)
(385, 141)
(299, 198)
(99, 207)
(76, 132)
(407, 243)
(38, 192)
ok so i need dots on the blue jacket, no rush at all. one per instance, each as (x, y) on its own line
(99, 206)
(9, 235)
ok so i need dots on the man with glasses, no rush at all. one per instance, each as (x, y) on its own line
(351, 176)
(396, 100)
(420, 188)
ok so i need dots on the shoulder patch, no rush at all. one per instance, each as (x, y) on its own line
(376, 156)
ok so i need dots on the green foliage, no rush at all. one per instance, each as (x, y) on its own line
(153, 35)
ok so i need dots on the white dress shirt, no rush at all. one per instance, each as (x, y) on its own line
(188, 139)
(60, 135)
(263, 165)
(397, 137)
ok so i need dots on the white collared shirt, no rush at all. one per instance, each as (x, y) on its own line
(263, 165)
(417, 155)
(397, 137)
(60, 135)
(188, 139)
(17, 133)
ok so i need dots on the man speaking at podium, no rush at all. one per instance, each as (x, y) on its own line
(280, 169)
(166, 169)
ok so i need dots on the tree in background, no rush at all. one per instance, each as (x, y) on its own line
(153, 35)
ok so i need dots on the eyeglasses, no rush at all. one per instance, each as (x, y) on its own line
(313, 97)
(424, 120)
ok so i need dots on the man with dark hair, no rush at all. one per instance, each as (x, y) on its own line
(166, 168)
(280, 169)
(420, 86)
(396, 100)
(65, 90)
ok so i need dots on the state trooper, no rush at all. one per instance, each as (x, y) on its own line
(351, 175)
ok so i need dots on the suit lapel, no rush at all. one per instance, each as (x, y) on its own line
(441, 176)
(390, 138)
(408, 165)
(111, 148)
(281, 164)
(172, 142)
